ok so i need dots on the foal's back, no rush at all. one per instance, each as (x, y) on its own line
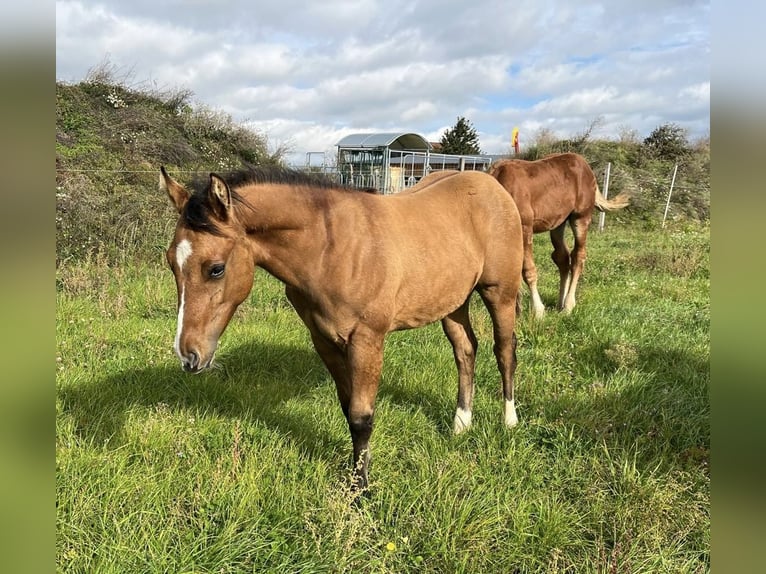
(454, 215)
(436, 242)
(547, 191)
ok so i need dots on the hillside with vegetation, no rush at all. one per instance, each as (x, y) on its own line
(112, 137)
(110, 142)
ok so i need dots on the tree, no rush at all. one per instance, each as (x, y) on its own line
(668, 141)
(461, 139)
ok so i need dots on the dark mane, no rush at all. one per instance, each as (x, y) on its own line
(198, 215)
(269, 175)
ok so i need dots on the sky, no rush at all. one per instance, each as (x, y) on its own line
(306, 74)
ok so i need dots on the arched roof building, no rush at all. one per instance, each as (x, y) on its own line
(390, 140)
(392, 161)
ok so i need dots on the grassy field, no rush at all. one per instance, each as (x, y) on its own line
(246, 468)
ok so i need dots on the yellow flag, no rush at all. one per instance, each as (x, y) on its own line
(515, 140)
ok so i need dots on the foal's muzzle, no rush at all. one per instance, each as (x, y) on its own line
(191, 363)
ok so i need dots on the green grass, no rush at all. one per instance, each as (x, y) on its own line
(246, 468)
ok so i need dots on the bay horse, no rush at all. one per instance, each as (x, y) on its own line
(355, 266)
(550, 193)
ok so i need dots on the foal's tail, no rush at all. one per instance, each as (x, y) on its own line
(604, 204)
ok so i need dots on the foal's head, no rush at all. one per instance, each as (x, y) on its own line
(212, 265)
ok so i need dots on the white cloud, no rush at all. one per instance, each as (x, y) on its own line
(309, 73)
(697, 93)
(422, 110)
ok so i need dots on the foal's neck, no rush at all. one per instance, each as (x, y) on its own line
(274, 208)
(285, 224)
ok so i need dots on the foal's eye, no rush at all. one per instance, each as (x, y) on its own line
(216, 271)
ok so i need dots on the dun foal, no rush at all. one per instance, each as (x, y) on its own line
(356, 266)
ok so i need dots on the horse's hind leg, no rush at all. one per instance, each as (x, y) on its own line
(457, 327)
(560, 256)
(580, 229)
(501, 304)
(529, 273)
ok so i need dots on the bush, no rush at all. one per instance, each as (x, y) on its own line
(668, 142)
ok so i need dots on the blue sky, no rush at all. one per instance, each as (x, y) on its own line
(307, 74)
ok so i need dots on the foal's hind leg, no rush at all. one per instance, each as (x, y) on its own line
(580, 229)
(501, 304)
(529, 273)
(560, 257)
(457, 327)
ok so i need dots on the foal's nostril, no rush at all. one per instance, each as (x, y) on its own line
(191, 361)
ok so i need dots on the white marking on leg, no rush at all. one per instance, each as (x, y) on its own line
(183, 251)
(510, 414)
(462, 420)
(564, 290)
(538, 307)
(569, 303)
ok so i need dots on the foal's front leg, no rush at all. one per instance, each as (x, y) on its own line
(365, 361)
(355, 367)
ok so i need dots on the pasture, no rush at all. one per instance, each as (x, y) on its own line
(245, 468)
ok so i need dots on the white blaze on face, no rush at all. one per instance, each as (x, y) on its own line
(183, 251)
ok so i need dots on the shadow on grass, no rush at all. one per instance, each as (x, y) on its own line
(663, 414)
(255, 383)
(666, 414)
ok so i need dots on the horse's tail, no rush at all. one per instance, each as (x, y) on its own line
(604, 204)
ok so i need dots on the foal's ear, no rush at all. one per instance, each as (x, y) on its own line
(220, 195)
(176, 192)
